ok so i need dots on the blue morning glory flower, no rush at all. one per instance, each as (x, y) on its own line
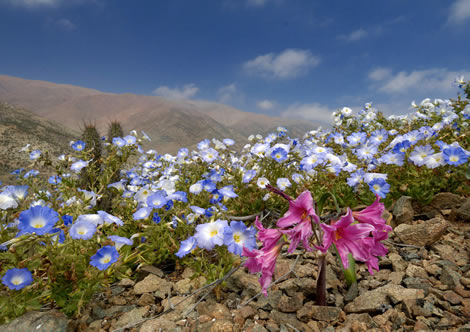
(78, 145)
(17, 192)
(279, 154)
(82, 230)
(210, 234)
(119, 241)
(78, 165)
(54, 179)
(380, 187)
(227, 191)
(157, 200)
(186, 246)
(142, 213)
(37, 219)
(130, 139)
(454, 156)
(109, 218)
(35, 155)
(119, 142)
(238, 236)
(17, 278)
(249, 175)
(104, 257)
(208, 186)
(401, 147)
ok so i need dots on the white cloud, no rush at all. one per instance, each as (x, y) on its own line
(313, 112)
(288, 64)
(226, 93)
(66, 24)
(265, 104)
(188, 91)
(459, 11)
(35, 3)
(355, 35)
(380, 74)
(437, 80)
(256, 3)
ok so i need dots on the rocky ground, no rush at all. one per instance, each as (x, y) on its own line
(423, 285)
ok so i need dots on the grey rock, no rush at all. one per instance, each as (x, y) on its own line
(444, 201)
(464, 211)
(322, 313)
(450, 278)
(132, 316)
(156, 324)
(37, 321)
(422, 234)
(403, 211)
(151, 283)
(290, 304)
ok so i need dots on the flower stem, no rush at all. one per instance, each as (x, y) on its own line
(321, 281)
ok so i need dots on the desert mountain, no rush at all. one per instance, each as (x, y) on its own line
(170, 123)
(19, 127)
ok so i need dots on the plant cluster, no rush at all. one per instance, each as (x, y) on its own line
(100, 217)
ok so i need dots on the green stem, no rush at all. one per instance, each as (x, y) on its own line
(350, 272)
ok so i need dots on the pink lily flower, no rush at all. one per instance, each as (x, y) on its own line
(373, 215)
(263, 261)
(299, 209)
(376, 248)
(348, 238)
(269, 236)
(300, 232)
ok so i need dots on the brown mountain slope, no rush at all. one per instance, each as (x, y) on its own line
(170, 123)
(19, 127)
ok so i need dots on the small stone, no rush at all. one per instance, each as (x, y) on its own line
(422, 234)
(220, 311)
(131, 316)
(220, 326)
(452, 298)
(322, 313)
(146, 299)
(158, 324)
(126, 282)
(396, 277)
(398, 264)
(450, 277)
(151, 283)
(247, 312)
(291, 304)
(416, 271)
(117, 300)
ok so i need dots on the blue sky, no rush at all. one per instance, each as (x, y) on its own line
(291, 58)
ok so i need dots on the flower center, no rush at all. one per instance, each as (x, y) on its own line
(236, 238)
(106, 259)
(214, 233)
(38, 222)
(454, 158)
(17, 281)
(376, 187)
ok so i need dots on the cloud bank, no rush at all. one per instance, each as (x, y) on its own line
(288, 64)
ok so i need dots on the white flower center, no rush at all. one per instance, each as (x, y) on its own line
(38, 222)
(17, 280)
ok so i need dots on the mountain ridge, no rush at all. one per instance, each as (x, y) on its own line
(170, 123)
